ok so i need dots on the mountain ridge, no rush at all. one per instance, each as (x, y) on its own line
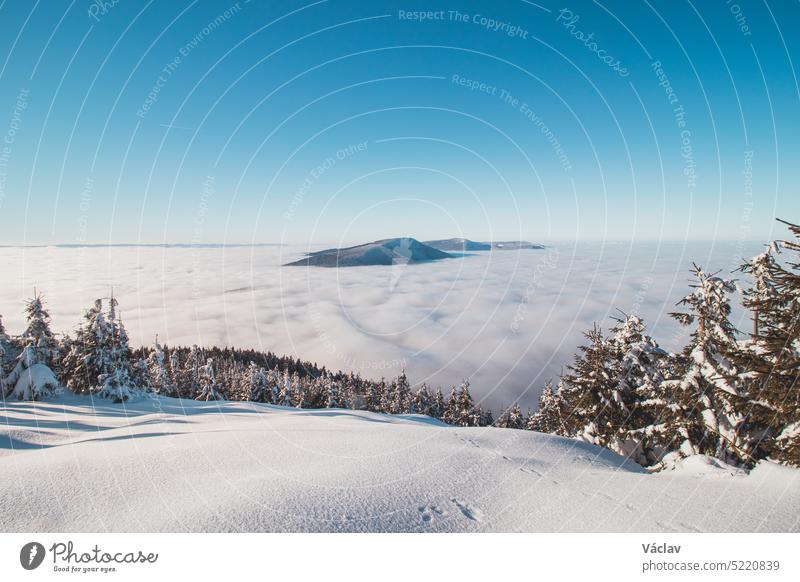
(465, 244)
(390, 251)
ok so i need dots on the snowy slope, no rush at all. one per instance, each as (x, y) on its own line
(172, 465)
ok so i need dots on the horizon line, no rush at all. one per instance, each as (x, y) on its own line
(293, 243)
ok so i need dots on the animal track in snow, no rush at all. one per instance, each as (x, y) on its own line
(473, 513)
(430, 513)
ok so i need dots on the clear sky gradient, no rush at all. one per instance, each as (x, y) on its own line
(333, 121)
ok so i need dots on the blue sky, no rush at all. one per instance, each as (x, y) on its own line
(331, 121)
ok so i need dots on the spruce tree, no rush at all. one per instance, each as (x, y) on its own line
(422, 401)
(116, 382)
(33, 378)
(257, 384)
(140, 375)
(588, 391)
(86, 360)
(438, 405)
(380, 397)
(332, 394)
(350, 393)
(37, 335)
(401, 394)
(3, 358)
(465, 406)
(3, 375)
(192, 372)
(460, 410)
(208, 383)
(549, 417)
(450, 414)
(286, 392)
(637, 407)
(771, 359)
(703, 416)
(298, 394)
(175, 373)
(275, 381)
(159, 376)
(6, 347)
(371, 400)
(511, 418)
(388, 397)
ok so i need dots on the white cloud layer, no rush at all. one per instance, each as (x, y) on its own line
(507, 320)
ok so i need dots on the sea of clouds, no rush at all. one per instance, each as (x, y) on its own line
(507, 320)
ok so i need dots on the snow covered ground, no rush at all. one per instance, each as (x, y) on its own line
(176, 465)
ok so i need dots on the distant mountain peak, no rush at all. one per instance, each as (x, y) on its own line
(390, 251)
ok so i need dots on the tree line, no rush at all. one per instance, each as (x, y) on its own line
(99, 361)
(729, 395)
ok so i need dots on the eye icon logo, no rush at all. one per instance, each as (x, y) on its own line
(31, 555)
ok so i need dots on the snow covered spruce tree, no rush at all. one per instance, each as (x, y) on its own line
(98, 362)
(704, 402)
(192, 372)
(438, 405)
(32, 378)
(511, 418)
(371, 400)
(274, 381)
(4, 346)
(332, 393)
(588, 391)
(37, 332)
(397, 396)
(159, 376)
(771, 359)
(349, 395)
(286, 390)
(5, 356)
(612, 395)
(637, 405)
(421, 403)
(460, 410)
(387, 392)
(549, 417)
(401, 397)
(3, 334)
(117, 380)
(175, 371)
(140, 375)
(85, 361)
(380, 396)
(208, 383)
(450, 411)
(257, 384)
(298, 392)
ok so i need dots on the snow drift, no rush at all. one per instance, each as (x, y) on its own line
(173, 465)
